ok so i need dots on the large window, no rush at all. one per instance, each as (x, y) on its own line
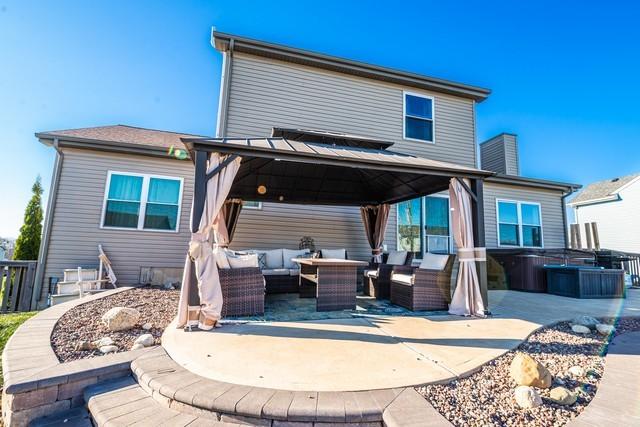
(418, 117)
(423, 225)
(142, 202)
(519, 224)
(251, 204)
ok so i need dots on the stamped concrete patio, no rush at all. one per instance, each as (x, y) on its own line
(375, 352)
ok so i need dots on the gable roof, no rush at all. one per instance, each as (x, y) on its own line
(602, 191)
(229, 42)
(117, 137)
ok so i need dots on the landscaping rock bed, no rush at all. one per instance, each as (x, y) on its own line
(83, 324)
(486, 398)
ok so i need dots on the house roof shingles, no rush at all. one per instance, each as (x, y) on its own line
(120, 134)
(602, 190)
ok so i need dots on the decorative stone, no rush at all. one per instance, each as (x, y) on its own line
(605, 329)
(102, 342)
(588, 321)
(147, 326)
(137, 346)
(579, 329)
(85, 346)
(526, 371)
(527, 397)
(576, 371)
(562, 396)
(106, 349)
(146, 340)
(121, 318)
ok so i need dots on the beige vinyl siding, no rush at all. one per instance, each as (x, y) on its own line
(500, 154)
(550, 206)
(511, 155)
(76, 232)
(268, 93)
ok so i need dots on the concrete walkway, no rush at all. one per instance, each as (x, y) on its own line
(375, 352)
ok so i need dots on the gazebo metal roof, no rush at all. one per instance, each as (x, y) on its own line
(315, 173)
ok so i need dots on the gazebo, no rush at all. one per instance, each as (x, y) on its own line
(325, 168)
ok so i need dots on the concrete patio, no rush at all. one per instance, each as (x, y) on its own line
(375, 352)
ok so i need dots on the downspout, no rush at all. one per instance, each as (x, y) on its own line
(48, 221)
(225, 85)
(563, 201)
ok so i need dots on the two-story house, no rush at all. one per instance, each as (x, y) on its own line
(120, 187)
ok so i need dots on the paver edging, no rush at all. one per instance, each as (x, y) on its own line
(36, 383)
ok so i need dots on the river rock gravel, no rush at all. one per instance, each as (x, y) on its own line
(486, 398)
(157, 307)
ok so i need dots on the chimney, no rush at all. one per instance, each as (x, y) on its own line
(500, 154)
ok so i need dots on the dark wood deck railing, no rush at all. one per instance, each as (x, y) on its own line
(16, 290)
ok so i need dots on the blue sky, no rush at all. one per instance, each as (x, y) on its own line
(564, 75)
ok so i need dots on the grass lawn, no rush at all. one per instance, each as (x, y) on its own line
(8, 324)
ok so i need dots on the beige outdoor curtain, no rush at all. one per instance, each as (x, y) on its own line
(467, 299)
(374, 218)
(225, 223)
(201, 249)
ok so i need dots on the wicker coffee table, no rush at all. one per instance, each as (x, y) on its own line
(332, 282)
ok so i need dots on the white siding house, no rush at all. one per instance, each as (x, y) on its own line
(614, 205)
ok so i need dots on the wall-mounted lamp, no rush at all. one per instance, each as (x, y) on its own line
(262, 189)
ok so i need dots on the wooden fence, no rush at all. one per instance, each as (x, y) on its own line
(16, 280)
(632, 267)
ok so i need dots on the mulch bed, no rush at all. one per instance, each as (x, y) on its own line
(82, 323)
(486, 397)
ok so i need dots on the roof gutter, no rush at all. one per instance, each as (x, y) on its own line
(222, 41)
(532, 182)
(48, 221)
(605, 199)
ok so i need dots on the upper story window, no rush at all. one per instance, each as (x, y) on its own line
(519, 224)
(142, 202)
(418, 117)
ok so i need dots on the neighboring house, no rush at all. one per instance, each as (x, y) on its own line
(118, 185)
(613, 204)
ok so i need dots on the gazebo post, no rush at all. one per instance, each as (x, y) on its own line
(199, 197)
(477, 187)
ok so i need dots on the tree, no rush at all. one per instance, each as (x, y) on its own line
(28, 243)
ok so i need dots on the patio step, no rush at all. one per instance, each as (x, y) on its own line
(123, 402)
(174, 387)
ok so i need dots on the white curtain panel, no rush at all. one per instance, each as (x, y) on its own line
(467, 299)
(201, 247)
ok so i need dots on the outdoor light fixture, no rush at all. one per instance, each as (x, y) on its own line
(281, 198)
(262, 189)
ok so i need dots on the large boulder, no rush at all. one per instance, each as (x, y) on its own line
(525, 370)
(527, 397)
(562, 396)
(121, 318)
(588, 321)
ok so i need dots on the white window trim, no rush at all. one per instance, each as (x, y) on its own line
(520, 224)
(404, 116)
(143, 202)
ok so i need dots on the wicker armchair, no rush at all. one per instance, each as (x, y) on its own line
(242, 291)
(419, 289)
(377, 278)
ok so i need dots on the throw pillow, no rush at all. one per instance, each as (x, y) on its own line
(434, 261)
(334, 253)
(397, 257)
(287, 254)
(274, 258)
(243, 261)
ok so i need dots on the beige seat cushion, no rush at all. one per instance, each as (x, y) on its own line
(404, 279)
(434, 262)
(275, 272)
(397, 257)
(274, 259)
(243, 261)
(294, 271)
(221, 258)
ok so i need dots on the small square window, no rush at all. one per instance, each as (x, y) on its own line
(418, 117)
(519, 224)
